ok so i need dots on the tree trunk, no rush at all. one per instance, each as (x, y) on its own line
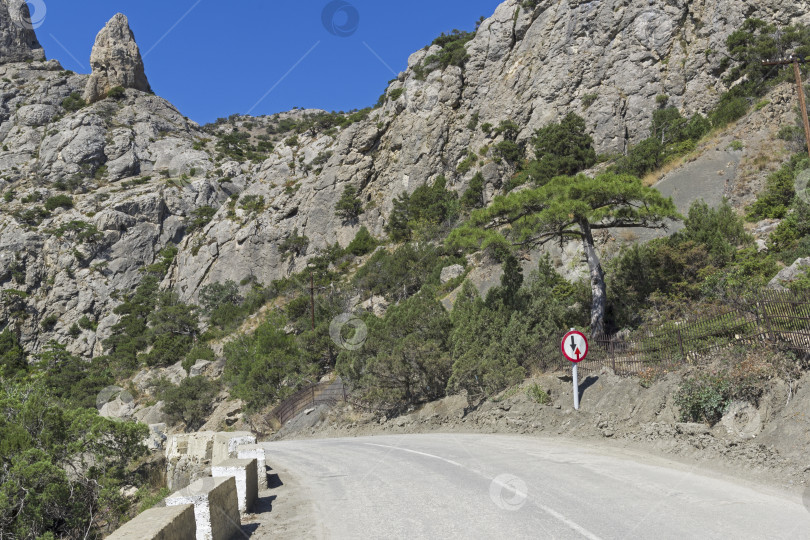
(598, 288)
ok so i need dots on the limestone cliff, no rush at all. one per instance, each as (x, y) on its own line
(137, 169)
(18, 41)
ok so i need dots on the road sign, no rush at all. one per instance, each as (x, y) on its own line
(575, 346)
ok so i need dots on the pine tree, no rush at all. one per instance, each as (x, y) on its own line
(565, 209)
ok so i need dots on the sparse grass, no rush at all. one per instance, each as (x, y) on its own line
(506, 394)
(538, 395)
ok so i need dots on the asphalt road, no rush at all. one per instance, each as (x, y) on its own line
(493, 486)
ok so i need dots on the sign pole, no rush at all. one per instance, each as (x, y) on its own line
(575, 348)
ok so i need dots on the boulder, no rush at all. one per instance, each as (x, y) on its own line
(450, 273)
(789, 274)
(116, 61)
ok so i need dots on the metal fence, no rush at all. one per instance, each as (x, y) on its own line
(774, 318)
(326, 393)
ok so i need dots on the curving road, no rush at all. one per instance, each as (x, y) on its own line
(492, 486)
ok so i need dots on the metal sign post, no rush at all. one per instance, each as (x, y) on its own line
(575, 348)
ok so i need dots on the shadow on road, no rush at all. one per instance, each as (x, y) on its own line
(249, 529)
(273, 481)
(264, 504)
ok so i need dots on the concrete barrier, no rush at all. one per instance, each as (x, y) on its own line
(244, 472)
(216, 509)
(254, 451)
(188, 458)
(168, 523)
(225, 444)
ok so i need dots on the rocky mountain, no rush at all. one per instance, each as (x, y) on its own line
(135, 170)
(18, 41)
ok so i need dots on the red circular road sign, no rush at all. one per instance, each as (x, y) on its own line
(575, 346)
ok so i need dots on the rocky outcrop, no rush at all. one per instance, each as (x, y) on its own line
(18, 41)
(116, 61)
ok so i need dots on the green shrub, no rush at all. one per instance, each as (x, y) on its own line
(473, 197)
(74, 102)
(588, 100)
(349, 207)
(396, 94)
(510, 151)
(49, 322)
(538, 395)
(792, 134)
(404, 272)
(467, 163)
(200, 217)
(294, 245)
(428, 212)
(730, 109)
(191, 401)
(116, 93)
(86, 324)
(199, 352)
(775, 201)
(58, 201)
(32, 216)
(173, 326)
(32, 197)
(563, 148)
(43, 438)
(703, 398)
(453, 53)
(252, 204)
(362, 244)
(82, 231)
(265, 366)
(642, 158)
(405, 358)
(12, 355)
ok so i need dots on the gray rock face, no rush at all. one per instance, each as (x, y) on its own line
(790, 274)
(18, 41)
(116, 61)
(450, 273)
(531, 66)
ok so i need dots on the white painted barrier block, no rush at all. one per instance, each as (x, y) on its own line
(254, 451)
(225, 444)
(168, 523)
(216, 508)
(244, 472)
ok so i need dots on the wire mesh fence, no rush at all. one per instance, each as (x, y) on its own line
(325, 393)
(780, 318)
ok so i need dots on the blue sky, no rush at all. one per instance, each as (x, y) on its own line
(223, 57)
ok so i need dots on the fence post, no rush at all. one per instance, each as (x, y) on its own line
(613, 354)
(764, 305)
(680, 345)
